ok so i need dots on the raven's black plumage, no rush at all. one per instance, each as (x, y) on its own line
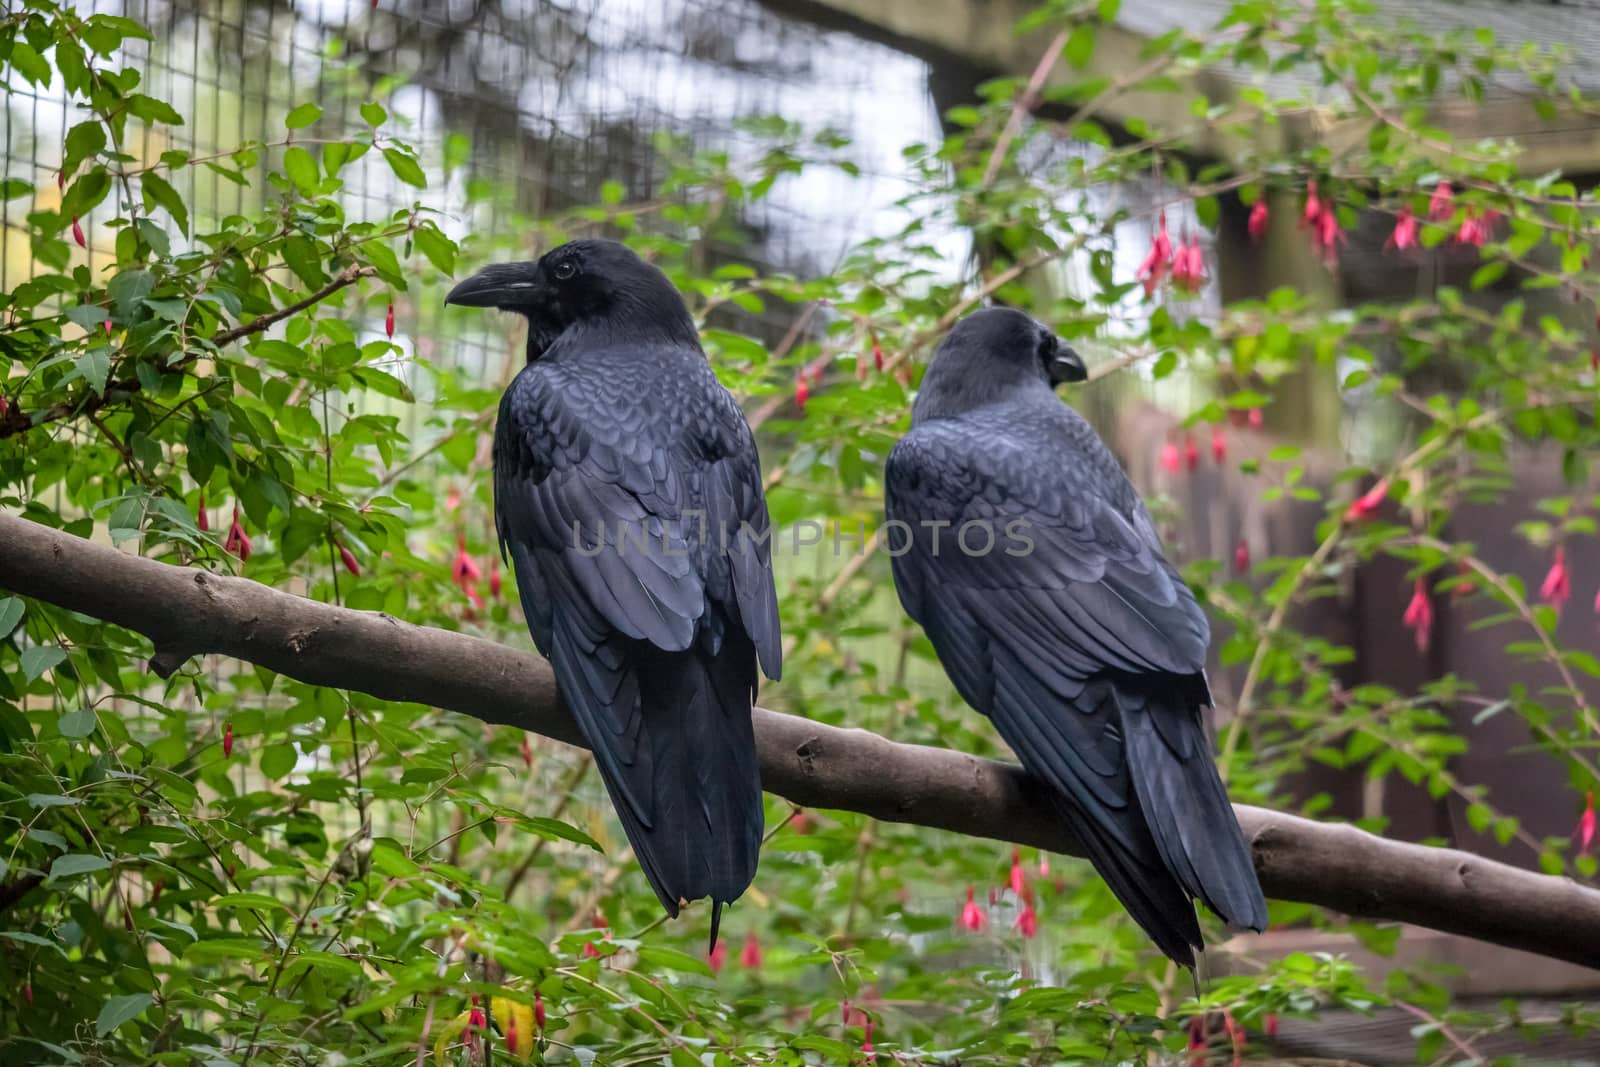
(1073, 633)
(627, 488)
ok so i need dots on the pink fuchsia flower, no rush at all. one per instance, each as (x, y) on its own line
(237, 542)
(750, 954)
(1365, 506)
(802, 393)
(1419, 615)
(1474, 230)
(1327, 236)
(1442, 204)
(1586, 825)
(1028, 918)
(1171, 458)
(348, 558)
(388, 322)
(1405, 231)
(227, 741)
(1241, 556)
(464, 571)
(1189, 266)
(201, 518)
(1556, 589)
(972, 916)
(1018, 880)
(1158, 259)
(1315, 208)
(1254, 419)
(866, 1042)
(77, 233)
(1259, 217)
(1219, 444)
(1191, 452)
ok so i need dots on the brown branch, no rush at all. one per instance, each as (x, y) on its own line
(187, 612)
(15, 421)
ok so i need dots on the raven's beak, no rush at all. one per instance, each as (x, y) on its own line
(492, 287)
(1066, 365)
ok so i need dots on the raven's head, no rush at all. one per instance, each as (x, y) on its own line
(988, 354)
(581, 282)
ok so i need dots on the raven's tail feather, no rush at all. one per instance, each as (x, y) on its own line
(1139, 880)
(1185, 802)
(674, 742)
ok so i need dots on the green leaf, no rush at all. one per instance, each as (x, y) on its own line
(279, 760)
(119, 1010)
(11, 611)
(405, 167)
(158, 193)
(1080, 45)
(301, 169)
(95, 366)
(373, 114)
(152, 110)
(38, 659)
(440, 250)
(129, 288)
(83, 141)
(51, 800)
(302, 116)
(22, 937)
(29, 63)
(75, 724)
(76, 863)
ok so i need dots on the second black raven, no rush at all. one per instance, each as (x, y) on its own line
(1033, 566)
(628, 496)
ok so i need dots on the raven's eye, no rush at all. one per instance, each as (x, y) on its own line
(564, 270)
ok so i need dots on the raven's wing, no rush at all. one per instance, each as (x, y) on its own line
(612, 505)
(1078, 639)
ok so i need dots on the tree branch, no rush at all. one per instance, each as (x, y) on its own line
(187, 612)
(88, 402)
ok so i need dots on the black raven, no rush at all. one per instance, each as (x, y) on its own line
(1021, 548)
(628, 497)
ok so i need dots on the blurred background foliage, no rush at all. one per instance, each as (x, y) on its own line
(1361, 402)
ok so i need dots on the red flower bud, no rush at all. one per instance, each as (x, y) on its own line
(1272, 1024)
(800, 822)
(877, 355)
(201, 518)
(388, 322)
(801, 394)
(77, 233)
(1586, 825)
(866, 1042)
(1258, 220)
(1019, 881)
(27, 992)
(1044, 865)
(227, 741)
(1241, 556)
(105, 324)
(155, 892)
(589, 951)
(1557, 586)
(1467, 586)
(1191, 452)
(538, 1011)
(750, 954)
(495, 584)
(972, 916)
(1366, 505)
(1419, 615)
(718, 956)
(527, 752)
(1253, 417)
(348, 558)
(61, 180)
(1219, 445)
(1313, 209)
